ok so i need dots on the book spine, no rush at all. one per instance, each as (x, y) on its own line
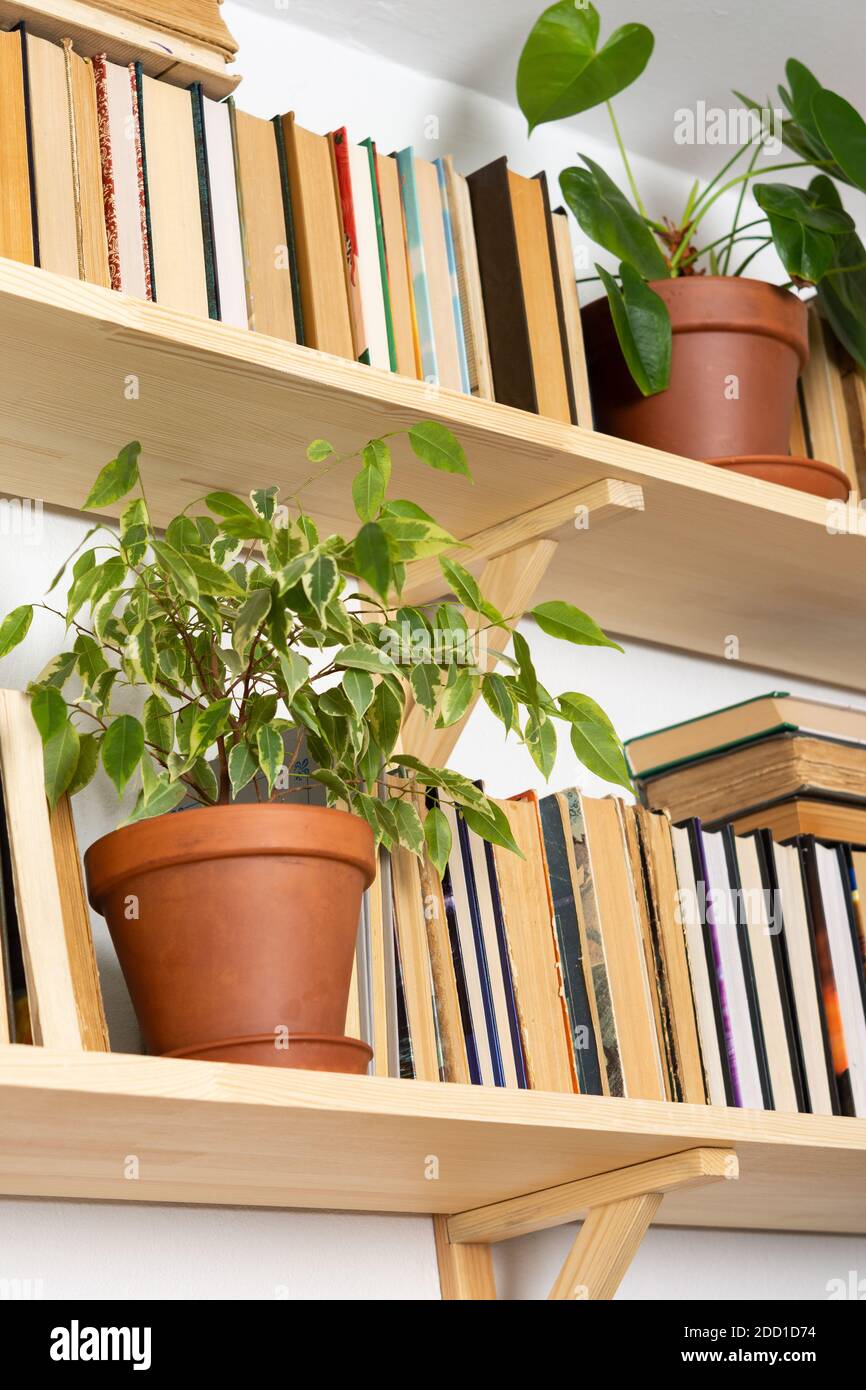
(109, 203)
(456, 308)
(136, 83)
(383, 254)
(204, 192)
(742, 930)
(557, 292)
(764, 841)
(423, 311)
(291, 239)
(21, 30)
(339, 144)
(716, 973)
(831, 1014)
(464, 850)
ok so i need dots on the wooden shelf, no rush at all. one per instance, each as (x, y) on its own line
(711, 556)
(124, 38)
(233, 1135)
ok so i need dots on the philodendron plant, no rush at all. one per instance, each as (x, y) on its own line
(246, 635)
(563, 71)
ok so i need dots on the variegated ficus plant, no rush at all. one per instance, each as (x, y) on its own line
(240, 635)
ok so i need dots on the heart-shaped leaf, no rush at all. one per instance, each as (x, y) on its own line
(643, 328)
(843, 131)
(606, 215)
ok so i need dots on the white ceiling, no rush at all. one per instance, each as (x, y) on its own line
(704, 48)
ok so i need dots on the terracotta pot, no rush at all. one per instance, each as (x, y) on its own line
(235, 928)
(805, 475)
(723, 328)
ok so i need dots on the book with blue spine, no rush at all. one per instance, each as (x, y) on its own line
(463, 359)
(417, 263)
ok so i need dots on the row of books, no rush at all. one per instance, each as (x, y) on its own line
(125, 181)
(780, 762)
(624, 956)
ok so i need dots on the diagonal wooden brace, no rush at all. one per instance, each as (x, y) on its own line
(620, 1206)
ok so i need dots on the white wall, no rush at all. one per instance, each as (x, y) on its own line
(112, 1251)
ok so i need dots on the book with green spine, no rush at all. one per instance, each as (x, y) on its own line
(383, 257)
(290, 230)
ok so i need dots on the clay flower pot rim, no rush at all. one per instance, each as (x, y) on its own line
(228, 832)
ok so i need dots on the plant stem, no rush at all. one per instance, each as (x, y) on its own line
(753, 254)
(624, 155)
(720, 175)
(752, 162)
(750, 174)
(728, 236)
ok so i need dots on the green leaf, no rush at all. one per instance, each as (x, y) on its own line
(213, 579)
(594, 739)
(528, 678)
(368, 492)
(498, 699)
(163, 796)
(606, 216)
(205, 780)
(264, 500)
(643, 328)
(843, 131)
(425, 683)
(295, 671)
(457, 697)
(361, 656)
(158, 724)
(319, 450)
(321, 582)
(250, 618)
(410, 831)
(437, 837)
(804, 205)
(135, 530)
(491, 824)
(540, 737)
(60, 755)
(15, 627)
(843, 297)
(122, 749)
(58, 670)
(334, 784)
(377, 455)
(294, 571)
(49, 711)
(116, 479)
(140, 650)
(385, 718)
(435, 445)
(243, 767)
(209, 725)
(360, 689)
(90, 585)
(563, 620)
(463, 584)
(60, 573)
(270, 749)
(373, 557)
(175, 568)
(88, 761)
(561, 72)
(239, 522)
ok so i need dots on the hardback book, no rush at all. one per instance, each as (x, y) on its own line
(841, 821)
(122, 179)
(716, 983)
(439, 280)
(228, 250)
(847, 964)
(520, 292)
(411, 935)
(422, 307)
(51, 151)
(451, 253)
(732, 785)
(631, 996)
(589, 917)
(469, 282)
(399, 280)
(827, 982)
(18, 228)
(760, 926)
(822, 1097)
(367, 258)
(582, 1015)
(319, 241)
(87, 171)
(729, 728)
(745, 961)
(291, 238)
(575, 353)
(381, 250)
(482, 1037)
(173, 197)
(663, 889)
(341, 165)
(641, 887)
(205, 204)
(270, 306)
(461, 981)
(704, 992)
(533, 953)
(446, 988)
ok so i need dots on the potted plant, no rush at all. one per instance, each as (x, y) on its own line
(198, 663)
(686, 353)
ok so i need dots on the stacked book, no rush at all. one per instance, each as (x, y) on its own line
(623, 956)
(128, 182)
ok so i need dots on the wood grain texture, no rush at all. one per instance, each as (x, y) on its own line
(50, 990)
(823, 396)
(125, 38)
(465, 1271)
(201, 20)
(16, 219)
(604, 1249)
(757, 560)
(261, 1136)
(76, 924)
(558, 1205)
(51, 150)
(87, 175)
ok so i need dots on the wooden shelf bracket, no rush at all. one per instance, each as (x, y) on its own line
(618, 1208)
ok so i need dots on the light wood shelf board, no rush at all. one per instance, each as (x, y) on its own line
(713, 555)
(175, 57)
(232, 1135)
